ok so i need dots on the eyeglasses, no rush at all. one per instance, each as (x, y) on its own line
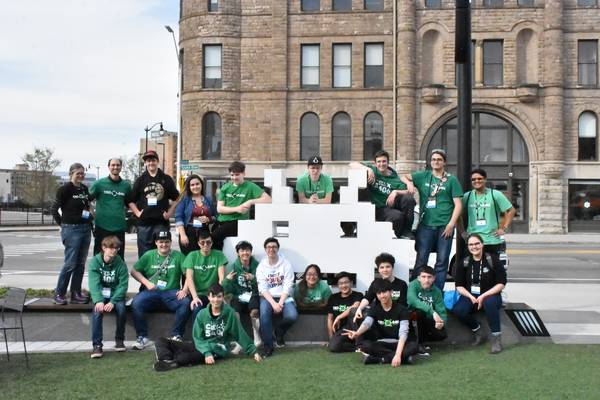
(437, 160)
(312, 275)
(477, 179)
(272, 247)
(205, 242)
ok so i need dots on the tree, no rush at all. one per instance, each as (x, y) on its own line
(42, 183)
(131, 167)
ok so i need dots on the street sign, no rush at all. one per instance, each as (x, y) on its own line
(189, 167)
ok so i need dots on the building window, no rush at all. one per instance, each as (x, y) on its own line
(342, 5)
(584, 206)
(374, 5)
(433, 3)
(311, 5)
(586, 3)
(526, 3)
(374, 65)
(373, 130)
(309, 135)
(492, 63)
(212, 66)
(310, 66)
(588, 134)
(341, 130)
(587, 62)
(211, 136)
(493, 3)
(342, 65)
(213, 5)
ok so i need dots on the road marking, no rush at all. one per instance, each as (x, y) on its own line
(552, 251)
(538, 280)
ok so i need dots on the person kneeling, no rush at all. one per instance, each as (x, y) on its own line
(215, 327)
(389, 325)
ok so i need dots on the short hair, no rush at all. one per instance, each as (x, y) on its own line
(382, 153)
(271, 240)
(112, 242)
(479, 171)
(114, 158)
(237, 167)
(203, 234)
(427, 269)
(385, 258)
(381, 285)
(440, 152)
(243, 245)
(74, 167)
(475, 235)
(341, 275)
(216, 289)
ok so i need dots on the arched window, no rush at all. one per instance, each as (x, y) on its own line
(588, 134)
(341, 130)
(432, 65)
(211, 136)
(309, 135)
(373, 130)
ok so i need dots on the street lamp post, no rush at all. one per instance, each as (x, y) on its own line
(161, 131)
(163, 154)
(179, 92)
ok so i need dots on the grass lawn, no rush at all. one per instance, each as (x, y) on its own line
(521, 372)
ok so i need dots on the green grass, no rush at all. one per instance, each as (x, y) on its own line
(520, 372)
(31, 292)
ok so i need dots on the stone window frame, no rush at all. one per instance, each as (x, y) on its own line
(580, 63)
(377, 68)
(348, 137)
(212, 5)
(304, 155)
(208, 136)
(587, 144)
(367, 115)
(212, 83)
(303, 67)
(335, 67)
(489, 83)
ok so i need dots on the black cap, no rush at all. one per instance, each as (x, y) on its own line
(162, 235)
(316, 160)
(150, 154)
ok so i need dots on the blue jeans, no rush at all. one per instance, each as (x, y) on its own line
(464, 310)
(149, 300)
(145, 237)
(430, 238)
(121, 314)
(288, 317)
(76, 238)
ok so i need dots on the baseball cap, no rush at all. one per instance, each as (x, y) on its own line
(315, 160)
(150, 154)
(162, 235)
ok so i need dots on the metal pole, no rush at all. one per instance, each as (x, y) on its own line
(147, 130)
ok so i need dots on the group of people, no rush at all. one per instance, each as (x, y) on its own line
(199, 281)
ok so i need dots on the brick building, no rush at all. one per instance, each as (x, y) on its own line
(272, 82)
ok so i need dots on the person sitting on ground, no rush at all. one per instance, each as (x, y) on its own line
(108, 280)
(427, 301)
(388, 322)
(194, 213)
(159, 271)
(480, 279)
(389, 194)
(215, 327)
(275, 277)
(312, 292)
(240, 283)
(203, 268)
(385, 267)
(313, 186)
(236, 197)
(340, 307)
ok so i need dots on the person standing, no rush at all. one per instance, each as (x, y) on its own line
(440, 204)
(73, 200)
(149, 201)
(314, 186)
(110, 194)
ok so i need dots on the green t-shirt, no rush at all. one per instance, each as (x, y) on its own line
(436, 197)
(110, 203)
(205, 268)
(321, 187)
(317, 295)
(165, 275)
(233, 196)
(383, 185)
(484, 213)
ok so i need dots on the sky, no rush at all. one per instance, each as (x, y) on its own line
(85, 77)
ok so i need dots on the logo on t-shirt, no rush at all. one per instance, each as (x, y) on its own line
(274, 280)
(203, 267)
(214, 329)
(396, 294)
(114, 193)
(341, 308)
(154, 189)
(426, 299)
(382, 186)
(388, 323)
(109, 276)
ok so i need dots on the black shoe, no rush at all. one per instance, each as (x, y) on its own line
(267, 352)
(165, 365)
(408, 236)
(410, 360)
(369, 359)
(279, 342)
(423, 350)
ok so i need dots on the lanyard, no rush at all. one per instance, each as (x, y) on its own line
(479, 206)
(473, 271)
(163, 266)
(314, 188)
(437, 186)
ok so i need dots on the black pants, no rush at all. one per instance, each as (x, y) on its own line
(222, 231)
(240, 308)
(494, 248)
(183, 353)
(401, 214)
(192, 234)
(426, 330)
(387, 350)
(339, 343)
(100, 234)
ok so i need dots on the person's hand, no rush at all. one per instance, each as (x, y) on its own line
(336, 322)
(499, 232)
(204, 219)
(357, 315)
(410, 188)
(231, 275)
(396, 361)
(108, 307)
(473, 299)
(479, 302)
(150, 286)
(448, 231)
(243, 208)
(391, 198)
(314, 199)
(196, 303)
(277, 308)
(370, 177)
(181, 294)
(210, 360)
(184, 239)
(248, 276)
(257, 357)
(99, 307)
(349, 333)
(166, 215)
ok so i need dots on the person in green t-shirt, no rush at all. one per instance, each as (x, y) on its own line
(489, 212)
(203, 268)
(235, 199)
(388, 193)
(312, 292)
(159, 271)
(440, 204)
(314, 187)
(110, 194)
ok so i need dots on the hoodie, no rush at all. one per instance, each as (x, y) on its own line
(276, 279)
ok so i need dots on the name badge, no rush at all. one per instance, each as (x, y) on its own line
(475, 290)
(85, 214)
(431, 202)
(196, 223)
(245, 297)
(161, 284)
(106, 292)
(481, 222)
(152, 201)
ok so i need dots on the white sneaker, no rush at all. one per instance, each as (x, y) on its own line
(235, 349)
(140, 343)
(176, 338)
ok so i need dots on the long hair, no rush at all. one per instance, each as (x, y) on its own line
(303, 287)
(186, 185)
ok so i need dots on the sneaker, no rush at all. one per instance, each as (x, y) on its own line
(423, 351)
(496, 341)
(257, 341)
(165, 365)
(176, 338)
(410, 360)
(408, 235)
(477, 337)
(60, 300)
(235, 348)
(79, 298)
(369, 359)
(120, 345)
(267, 352)
(279, 342)
(97, 352)
(140, 343)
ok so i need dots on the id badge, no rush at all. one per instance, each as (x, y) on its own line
(245, 297)
(196, 223)
(161, 284)
(106, 292)
(85, 214)
(481, 222)
(431, 202)
(475, 290)
(152, 201)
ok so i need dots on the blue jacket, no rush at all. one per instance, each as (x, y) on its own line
(183, 211)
